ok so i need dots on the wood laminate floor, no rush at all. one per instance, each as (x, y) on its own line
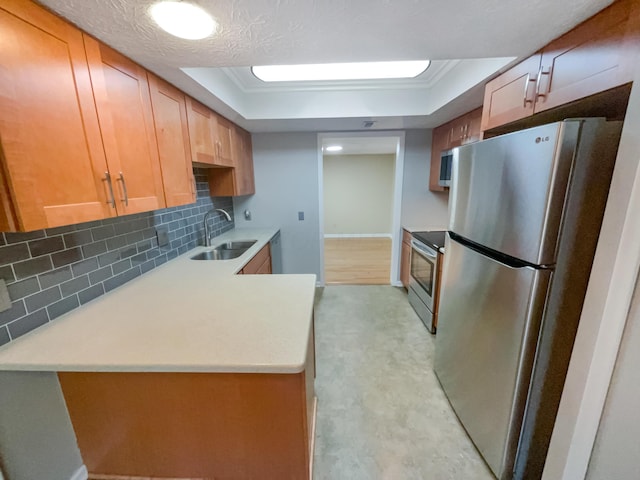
(357, 261)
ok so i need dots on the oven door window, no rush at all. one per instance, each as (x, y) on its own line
(423, 271)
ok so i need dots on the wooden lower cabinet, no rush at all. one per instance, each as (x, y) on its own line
(257, 264)
(405, 259)
(194, 425)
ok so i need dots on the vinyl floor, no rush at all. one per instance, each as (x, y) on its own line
(382, 414)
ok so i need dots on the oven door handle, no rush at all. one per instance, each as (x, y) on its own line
(427, 252)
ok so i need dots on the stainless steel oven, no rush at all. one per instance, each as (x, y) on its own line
(423, 282)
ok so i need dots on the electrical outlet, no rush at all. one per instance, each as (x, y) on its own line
(247, 215)
(301, 216)
(163, 236)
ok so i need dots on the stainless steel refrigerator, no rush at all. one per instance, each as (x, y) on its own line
(525, 214)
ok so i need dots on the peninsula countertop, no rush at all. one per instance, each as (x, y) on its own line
(184, 316)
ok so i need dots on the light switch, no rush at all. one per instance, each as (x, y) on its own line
(247, 215)
(5, 300)
(300, 215)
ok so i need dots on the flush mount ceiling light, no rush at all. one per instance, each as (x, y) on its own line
(340, 71)
(183, 20)
(333, 148)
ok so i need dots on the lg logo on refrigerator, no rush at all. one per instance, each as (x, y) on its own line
(542, 139)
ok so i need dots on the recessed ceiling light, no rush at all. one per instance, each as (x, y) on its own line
(183, 20)
(333, 148)
(340, 71)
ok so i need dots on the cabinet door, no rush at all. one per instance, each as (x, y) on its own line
(245, 181)
(172, 132)
(202, 125)
(595, 56)
(439, 142)
(122, 98)
(472, 131)
(510, 96)
(405, 264)
(224, 152)
(53, 162)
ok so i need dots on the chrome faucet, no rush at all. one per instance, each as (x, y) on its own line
(207, 238)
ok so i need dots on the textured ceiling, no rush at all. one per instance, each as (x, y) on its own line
(254, 32)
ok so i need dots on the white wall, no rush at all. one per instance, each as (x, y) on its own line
(286, 175)
(421, 208)
(358, 194)
(36, 437)
(616, 453)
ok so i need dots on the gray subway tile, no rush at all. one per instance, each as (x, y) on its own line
(66, 257)
(63, 306)
(52, 232)
(45, 246)
(4, 336)
(13, 253)
(55, 277)
(35, 266)
(102, 233)
(128, 251)
(2, 239)
(124, 227)
(108, 258)
(42, 299)
(135, 237)
(17, 310)
(74, 286)
(6, 273)
(148, 265)
(117, 242)
(121, 279)
(100, 275)
(28, 323)
(77, 239)
(160, 260)
(85, 266)
(138, 259)
(94, 249)
(18, 237)
(121, 266)
(142, 246)
(90, 293)
(23, 288)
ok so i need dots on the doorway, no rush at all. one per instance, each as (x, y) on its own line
(360, 176)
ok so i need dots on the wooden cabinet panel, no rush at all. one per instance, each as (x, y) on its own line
(254, 265)
(122, 99)
(53, 163)
(439, 142)
(224, 148)
(510, 96)
(201, 122)
(172, 132)
(405, 262)
(597, 55)
(238, 180)
(593, 57)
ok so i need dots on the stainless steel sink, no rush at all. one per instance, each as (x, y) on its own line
(225, 251)
(243, 244)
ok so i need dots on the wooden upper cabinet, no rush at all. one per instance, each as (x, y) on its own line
(225, 154)
(238, 180)
(53, 163)
(172, 132)
(439, 142)
(202, 126)
(124, 109)
(510, 96)
(597, 55)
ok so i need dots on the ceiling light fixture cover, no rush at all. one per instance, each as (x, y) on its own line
(183, 20)
(340, 71)
(333, 148)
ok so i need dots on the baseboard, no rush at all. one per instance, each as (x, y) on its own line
(397, 284)
(80, 474)
(357, 235)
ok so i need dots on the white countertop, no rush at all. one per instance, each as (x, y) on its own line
(184, 316)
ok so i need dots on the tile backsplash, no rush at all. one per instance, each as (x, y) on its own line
(50, 272)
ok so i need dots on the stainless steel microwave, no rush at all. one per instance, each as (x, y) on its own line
(446, 160)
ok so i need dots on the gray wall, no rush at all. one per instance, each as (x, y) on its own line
(616, 453)
(36, 437)
(286, 174)
(50, 272)
(421, 208)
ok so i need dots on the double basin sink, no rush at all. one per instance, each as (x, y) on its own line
(225, 251)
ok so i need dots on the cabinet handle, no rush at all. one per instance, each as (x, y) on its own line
(540, 73)
(526, 90)
(124, 189)
(107, 178)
